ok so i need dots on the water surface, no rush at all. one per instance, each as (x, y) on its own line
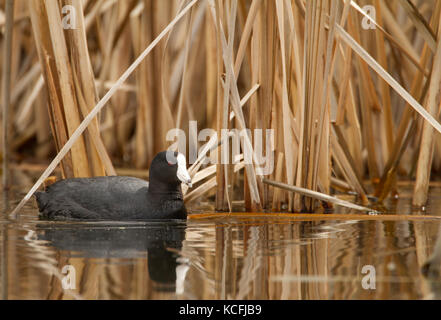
(221, 257)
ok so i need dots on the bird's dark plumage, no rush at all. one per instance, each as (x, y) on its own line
(119, 198)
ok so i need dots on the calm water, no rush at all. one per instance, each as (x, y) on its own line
(236, 257)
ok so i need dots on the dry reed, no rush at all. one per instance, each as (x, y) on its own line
(346, 103)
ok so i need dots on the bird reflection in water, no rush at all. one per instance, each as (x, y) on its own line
(161, 242)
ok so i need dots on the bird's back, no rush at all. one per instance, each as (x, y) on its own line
(95, 198)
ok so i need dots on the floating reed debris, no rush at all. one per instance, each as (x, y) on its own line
(346, 100)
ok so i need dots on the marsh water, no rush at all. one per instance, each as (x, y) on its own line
(238, 256)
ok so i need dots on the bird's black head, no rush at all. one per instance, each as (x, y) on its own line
(168, 168)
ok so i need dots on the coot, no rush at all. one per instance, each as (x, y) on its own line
(120, 198)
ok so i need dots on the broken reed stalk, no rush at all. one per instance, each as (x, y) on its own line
(317, 195)
(92, 114)
(6, 87)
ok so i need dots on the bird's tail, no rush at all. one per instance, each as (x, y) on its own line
(42, 201)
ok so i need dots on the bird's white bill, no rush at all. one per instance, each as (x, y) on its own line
(182, 172)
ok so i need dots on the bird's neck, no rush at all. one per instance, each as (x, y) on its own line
(161, 190)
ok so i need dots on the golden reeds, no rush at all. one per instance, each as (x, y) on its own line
(427, 141)
(343, 100)
(6, 86)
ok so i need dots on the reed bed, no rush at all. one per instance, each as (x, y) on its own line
(352, 97)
